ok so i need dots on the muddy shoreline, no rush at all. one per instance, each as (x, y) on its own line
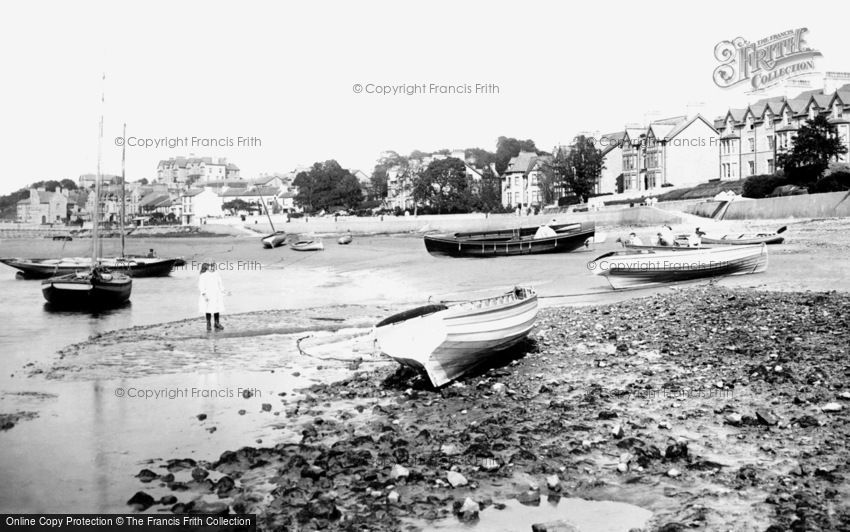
(712, 408)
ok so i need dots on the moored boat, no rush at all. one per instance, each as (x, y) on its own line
(647, 267)
(505, 242)
(744, 239)
(131, 266)
(344, 240)
(94, 288)
(308, 245)
(276, 239)
(447, 342)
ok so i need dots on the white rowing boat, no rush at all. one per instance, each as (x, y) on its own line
(637, 268)
(449, 341)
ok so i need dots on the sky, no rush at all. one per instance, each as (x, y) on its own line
(285, 73)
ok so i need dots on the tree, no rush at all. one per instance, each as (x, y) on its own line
(510, 147)
(486, 193)
(68, 184)
(379, 183)
(236, 205)
(327, 185)
(143, 181)
(816, 143)
(443, 186)
(579, 169)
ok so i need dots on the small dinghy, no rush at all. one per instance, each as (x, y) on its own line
(638, 268)
(447, 342)
(745, 239)
(308, 245)
(276, 239)
(344, 240)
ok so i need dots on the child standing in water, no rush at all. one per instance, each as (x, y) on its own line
(211, 299)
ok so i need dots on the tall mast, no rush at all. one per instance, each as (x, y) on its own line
(123, 157)
(96, 215)
(260, 188)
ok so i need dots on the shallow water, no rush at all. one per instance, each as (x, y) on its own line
(587, 516)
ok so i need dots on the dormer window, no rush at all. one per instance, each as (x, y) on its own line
(786, 118)
(812, 112)
(768, 120)
(837, 110)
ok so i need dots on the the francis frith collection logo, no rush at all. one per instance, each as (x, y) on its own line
(766, 62)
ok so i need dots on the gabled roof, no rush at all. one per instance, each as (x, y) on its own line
(660, 131)
(841, 95)
(521, 163)
(736, 114)
(192, 192)
(610, 141)
(685, 124)
(797, 105)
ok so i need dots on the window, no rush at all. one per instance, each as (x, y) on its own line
(770, 143)
(752, 167)
(516, 198)
(752, 144)
(770, 168)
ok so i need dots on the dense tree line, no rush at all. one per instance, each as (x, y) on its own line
(327, 186)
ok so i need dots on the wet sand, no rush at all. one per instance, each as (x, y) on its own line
(260, 352)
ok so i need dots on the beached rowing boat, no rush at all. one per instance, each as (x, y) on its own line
(505, 242)
(744, 239)
(449, 341)
(344, 240)
(308, 245)
(640, 268)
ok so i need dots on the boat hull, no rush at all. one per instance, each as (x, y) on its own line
(447, 344)
(638, 269)
(132, 266)
(313, 245)
(87, 291)
(509, 243)
(744, 241)
(274, 240)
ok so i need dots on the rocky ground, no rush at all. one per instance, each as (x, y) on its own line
(714, 409)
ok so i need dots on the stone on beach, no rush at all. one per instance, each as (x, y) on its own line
(529, 497)
(766, 417)
(399, 471)
(141, 501)
(554, 526)
(456, 479)
(553, 483)
(831, 407)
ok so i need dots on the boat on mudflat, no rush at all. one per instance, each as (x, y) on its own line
(648, 267)
(505, 242)
(308, 245)
(93, 288)
(132, 266)
(744, 239)
(447, 342)
(276, 239)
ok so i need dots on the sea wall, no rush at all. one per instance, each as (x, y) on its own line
(826, 205)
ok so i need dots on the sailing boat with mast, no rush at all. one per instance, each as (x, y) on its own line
(276, 238)
(98, 287)
(133, 265)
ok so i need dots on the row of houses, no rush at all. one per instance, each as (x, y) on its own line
(683, 151)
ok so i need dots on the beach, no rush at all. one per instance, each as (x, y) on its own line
(645, 409)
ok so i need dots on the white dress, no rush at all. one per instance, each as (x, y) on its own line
(211, 299)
